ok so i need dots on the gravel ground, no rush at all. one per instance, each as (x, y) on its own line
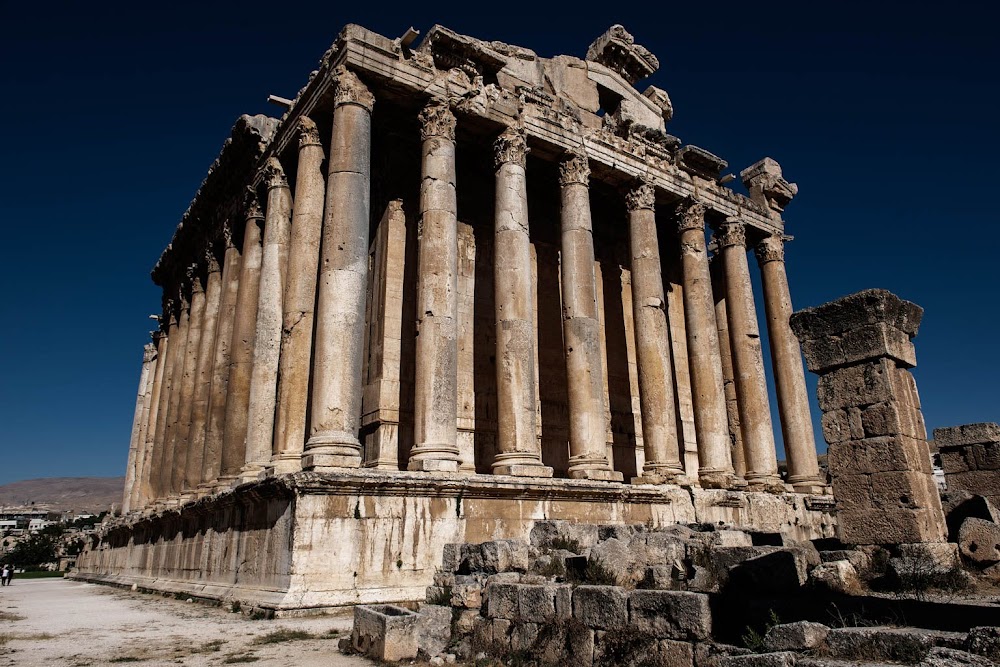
(63, 623)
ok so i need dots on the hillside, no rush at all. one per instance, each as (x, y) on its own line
(93, 494)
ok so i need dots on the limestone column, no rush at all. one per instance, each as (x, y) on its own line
(518, 448)
(160, 426)
(298, 303)
(194, 468)
(151, 444)
(222, 354)
(435, 392)
(717, 271)
(173, 401)
(748, 362)
(241, 356)
(134, 449)
(581, 327)
(715, 468)
(789, 376)
(343, 284)
(267, 340)
(652, 341)
(142, 451)
(188, 377)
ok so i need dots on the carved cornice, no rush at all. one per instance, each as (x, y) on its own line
(308, 133)
(574, 169)
(510, 148)
(691, 215)
(767, 186)
(351, 90)
(275, 174)
(437, 120)
(732, 233)
(642, 196)
(770, 249)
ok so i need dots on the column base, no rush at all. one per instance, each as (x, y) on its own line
(330, 451)
(592, 467)
(284, 464)
(766, 483)
(807, 484)
(434, 457)
(522, 470)
(328, 462)
(206, 489)
(432, 465)
(718, 479)
(252, 473)
(660, 473)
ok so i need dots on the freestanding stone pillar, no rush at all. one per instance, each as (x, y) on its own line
(435, 394)
(241, 357)
(203, 375)
(144, 487)
(188, 377)
(652, 341)
(860, 346)
(267, 340)
(789, 376)
(715, 468)
(298, 303)
(132, 474)
(212, 457)
(518, 449)
(343, 283)
(588, 457)
(748, 363)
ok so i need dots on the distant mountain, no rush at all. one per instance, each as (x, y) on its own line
(78, 494)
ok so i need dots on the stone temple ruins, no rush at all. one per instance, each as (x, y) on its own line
(460, 293)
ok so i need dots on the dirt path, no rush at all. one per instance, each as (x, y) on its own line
(62, 623)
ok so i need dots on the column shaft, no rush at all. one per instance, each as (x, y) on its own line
(728, 378)
(188, 377)
(789, 376)
(343, 284)
(581, 327)
(173, 404)
(748, 363)
(267, 340)
(435, 395)
(195, 468)
(134, 448)
(715, 468)
(518, 448)
(151, 445)
(298, 304)
(652, 342)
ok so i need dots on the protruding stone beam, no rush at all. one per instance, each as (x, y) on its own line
(435, 395)
(652, 341)
(767, 186)
(588, 457)
(150, 446)
(715, 468)
(298, 303)
(343, 282)
(222, 355)
(518, 448)
(194, 468)
(188, 377)
(748, 362)
(179, 334)
(234, 433)
(135, 447)
(267, 340)
(789, 376)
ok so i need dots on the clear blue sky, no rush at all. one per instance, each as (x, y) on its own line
(886, 117)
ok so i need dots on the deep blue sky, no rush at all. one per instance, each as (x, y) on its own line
(886, 117)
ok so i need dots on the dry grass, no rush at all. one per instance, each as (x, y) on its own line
(279, 636)
(7, 616)
(28, 636)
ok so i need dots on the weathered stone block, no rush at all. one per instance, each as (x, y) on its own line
(979, 541)
(782, 659)
(504, 556)
(967, 434)
(670, 614)
(464, 621)
(708, 654)
(884, 526)
(559, 533)
(451, 557)
(838, 576)
(385, 632)
(536, 603)
(501, 600)
(798, 636)
(854, 386)
(940, 656)
(433, 628)
(601, 607)
(467, 595)
(783, 570)
(956, 459)
(567, 642)
(523, 636)
(876, 644)
(881, 454)
(984, 640)
(563, 598)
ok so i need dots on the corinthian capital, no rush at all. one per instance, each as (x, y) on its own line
(770, 249)
(308, 132)
(252, 205)
(351, 90)
(642, 196)
(510, 147)
(275, 174)
(691, 215)
(211, 261)
(732, 233)
(574, 169)
(437, 120)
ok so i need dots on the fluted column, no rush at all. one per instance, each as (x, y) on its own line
(789, 376)
(267, 340)
(298, 303)
(435, 392)
(234, 433)
(188, 377)
(343, 283)
(194, 468)
(135, 448)
(715, 468)
(518, 447)
(748, 362)
(178, 355)
(144, 487)
(652, 341)
(581, 327)
(222, 354)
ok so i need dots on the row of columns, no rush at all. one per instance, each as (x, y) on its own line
(275, 334)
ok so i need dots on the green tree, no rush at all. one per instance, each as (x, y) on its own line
(32, 552)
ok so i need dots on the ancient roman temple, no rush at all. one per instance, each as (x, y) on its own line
(455, 289)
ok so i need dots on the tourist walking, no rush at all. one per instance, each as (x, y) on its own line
(6, 575)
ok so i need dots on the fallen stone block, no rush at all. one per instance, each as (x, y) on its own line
(536, 603)
(523, 636)
(979, 541)
(433, 629)
(963, 505)
(385, 632)
(670, 614)
(838, 576)
(566, 642)
(780, 659)
(601, 607)
(501, 600)
(879, 643)
(504, 556)
(708, 654)
(467, 595)
(799, 636)
(563, 534)
(949, 657)
(781, 571)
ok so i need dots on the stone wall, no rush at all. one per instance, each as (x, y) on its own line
(970, 457)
